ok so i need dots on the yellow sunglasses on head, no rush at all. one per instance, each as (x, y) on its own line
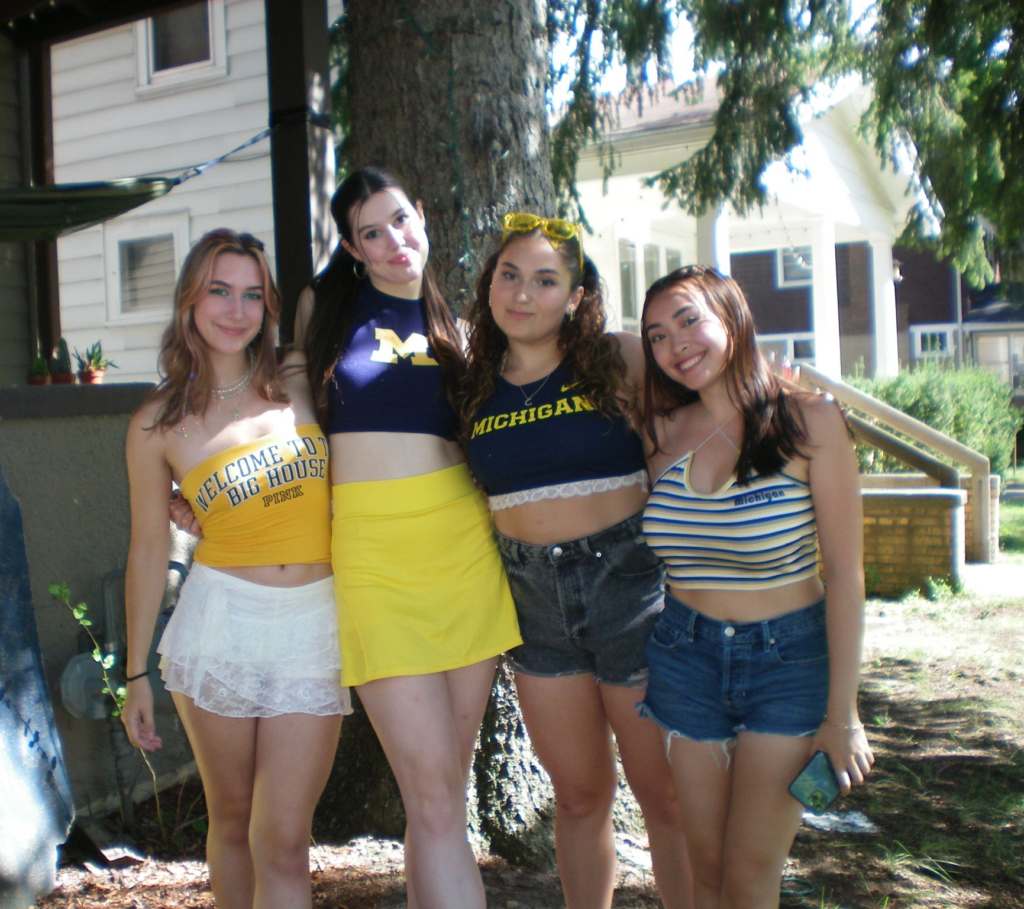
(521, 222)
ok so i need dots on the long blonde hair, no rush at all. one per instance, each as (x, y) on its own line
(186, 384)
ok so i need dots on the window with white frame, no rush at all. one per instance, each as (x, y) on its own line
(182, 45)
(651, 264)
(933, 342)
(793, 267)
(143, 257)
(673, 260)
(627, 279)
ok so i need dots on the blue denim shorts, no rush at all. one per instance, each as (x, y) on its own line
(710, 680)
(587, 605)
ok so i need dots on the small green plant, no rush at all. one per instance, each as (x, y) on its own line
(939, 590)
(62, 359)
(62, 593)
(39, 367)
(93, 359)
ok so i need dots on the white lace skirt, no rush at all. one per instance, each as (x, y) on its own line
(247, 650)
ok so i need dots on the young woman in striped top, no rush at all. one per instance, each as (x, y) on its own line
(754, 663)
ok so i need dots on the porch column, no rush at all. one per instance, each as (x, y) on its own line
(301, 145)
(883, 310)
(713, 241)
(825, 298)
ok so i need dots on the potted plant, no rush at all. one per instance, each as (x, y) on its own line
(39, 372)
(92, 364)
(61, 371)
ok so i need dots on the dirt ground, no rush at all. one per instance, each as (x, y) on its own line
(941, 823)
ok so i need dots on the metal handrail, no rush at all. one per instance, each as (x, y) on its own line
(977, 463)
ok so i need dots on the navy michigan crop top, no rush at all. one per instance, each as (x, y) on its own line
(550, 444)
(387, 378)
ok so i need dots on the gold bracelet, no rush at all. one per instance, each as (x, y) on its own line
(828, 722)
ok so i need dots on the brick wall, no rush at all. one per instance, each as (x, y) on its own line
(911, 535)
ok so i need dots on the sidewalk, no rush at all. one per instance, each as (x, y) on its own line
(998, 579)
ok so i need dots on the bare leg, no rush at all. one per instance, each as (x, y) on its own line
(294, 754)
(424, 722)
(765, 765)
(225, 750)
(642, 749)
(702, 774)
(569, 730)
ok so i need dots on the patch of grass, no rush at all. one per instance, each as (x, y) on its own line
(1011, 527)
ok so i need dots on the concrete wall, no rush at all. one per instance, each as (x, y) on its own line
(911, 535)
(69, 476)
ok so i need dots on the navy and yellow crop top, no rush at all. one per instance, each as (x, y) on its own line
(387, 378)
(550, 444)
(751, 537)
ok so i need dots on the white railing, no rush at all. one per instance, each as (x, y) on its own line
(977, 463)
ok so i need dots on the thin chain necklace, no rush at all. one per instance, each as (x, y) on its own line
(223, 392)
(527, 399)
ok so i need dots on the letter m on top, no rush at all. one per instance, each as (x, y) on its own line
(392, 347)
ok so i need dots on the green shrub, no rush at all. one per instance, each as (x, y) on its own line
(970, 405)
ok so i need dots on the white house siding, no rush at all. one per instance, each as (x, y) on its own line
(105, 128)
(14, 333)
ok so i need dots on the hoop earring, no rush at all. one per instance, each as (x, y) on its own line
(355, 269)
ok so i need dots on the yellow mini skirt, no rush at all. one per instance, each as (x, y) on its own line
(417, 577)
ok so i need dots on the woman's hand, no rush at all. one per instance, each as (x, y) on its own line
(183, 516)
(848, 749)
(137, 715)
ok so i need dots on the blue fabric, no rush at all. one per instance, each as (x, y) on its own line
(387, 378)
(35, 798)
(555, 438)
(711, 680)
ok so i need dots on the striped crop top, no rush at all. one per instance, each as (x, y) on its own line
(736, 538)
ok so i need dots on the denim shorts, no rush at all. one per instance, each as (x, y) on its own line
(710, 680)
(587, 605)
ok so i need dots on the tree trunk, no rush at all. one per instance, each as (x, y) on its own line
(450, 95)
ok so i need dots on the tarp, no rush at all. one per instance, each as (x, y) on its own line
(35, 796)
(46, 212)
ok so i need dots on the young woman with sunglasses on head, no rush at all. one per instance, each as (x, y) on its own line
(754, 663)
(545, 417)
(250, 655)
(423, 605)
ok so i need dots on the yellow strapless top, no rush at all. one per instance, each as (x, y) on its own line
(266, 502)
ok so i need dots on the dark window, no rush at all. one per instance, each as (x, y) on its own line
(181, 37)
(147, 272)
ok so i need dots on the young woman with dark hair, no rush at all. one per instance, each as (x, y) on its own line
(754, 662)
(250, 655)
(546, 421)
(423, 605)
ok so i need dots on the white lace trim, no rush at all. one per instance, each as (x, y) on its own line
(567, 490)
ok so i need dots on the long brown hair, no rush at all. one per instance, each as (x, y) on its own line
(186, 384)
(591, 353)
(773, 429)
(336, 287)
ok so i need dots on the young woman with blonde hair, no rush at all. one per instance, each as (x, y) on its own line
(250, 654)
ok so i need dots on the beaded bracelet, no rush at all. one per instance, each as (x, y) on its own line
(132, 678)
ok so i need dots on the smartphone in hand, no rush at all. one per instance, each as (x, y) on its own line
(816, 787)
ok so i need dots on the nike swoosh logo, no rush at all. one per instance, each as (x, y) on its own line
(567, 387)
